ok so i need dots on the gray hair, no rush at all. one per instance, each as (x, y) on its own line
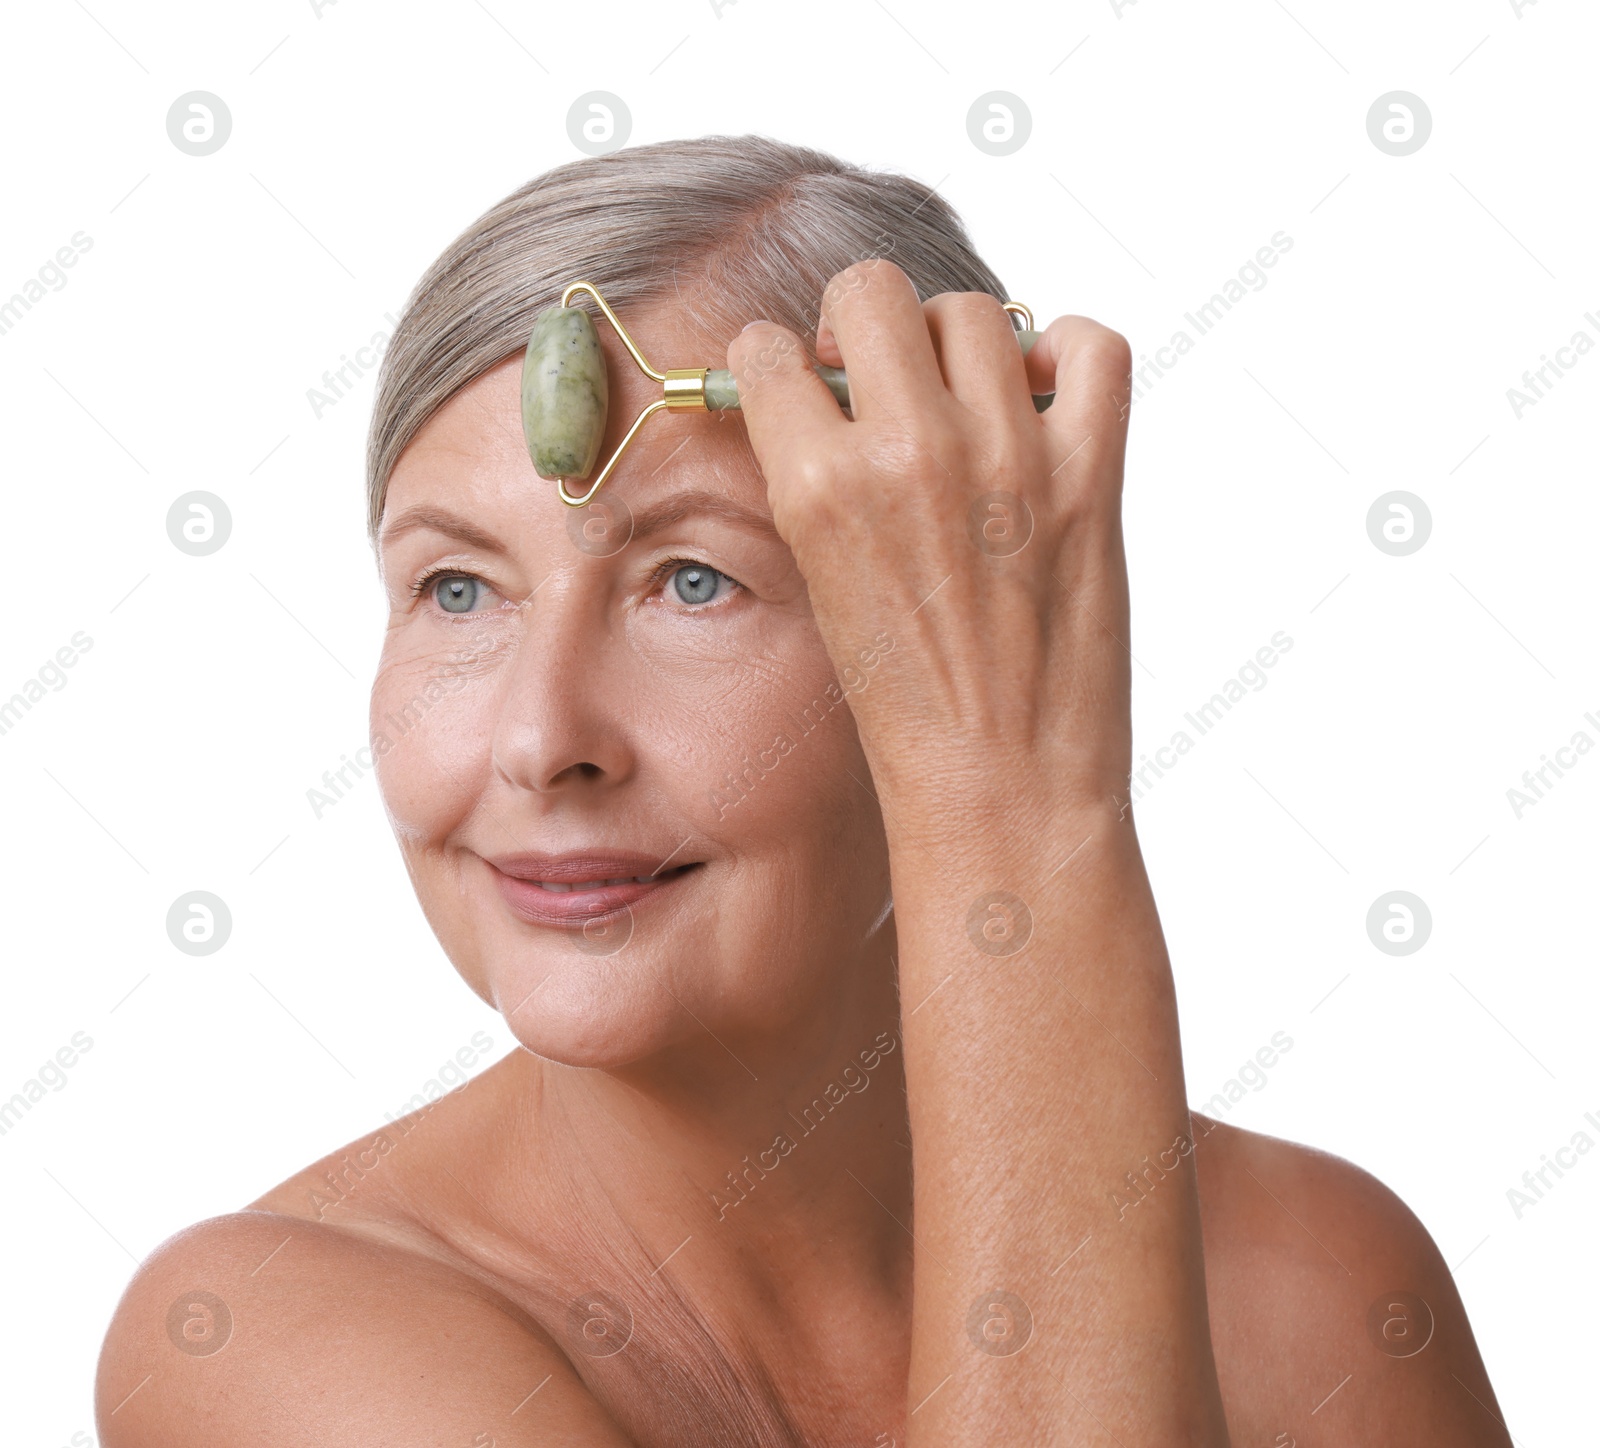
(735, 227)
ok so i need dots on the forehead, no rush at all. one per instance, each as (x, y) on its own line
(472, 450)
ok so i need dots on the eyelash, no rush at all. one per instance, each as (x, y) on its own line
(663, 572)
(420, 585)
(669, 566)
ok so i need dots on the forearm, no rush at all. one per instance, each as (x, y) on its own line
(1038, 1080)
(985, 553)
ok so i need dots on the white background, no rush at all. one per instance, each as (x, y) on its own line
(1168, 143)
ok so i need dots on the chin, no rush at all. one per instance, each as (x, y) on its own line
(597, 1011)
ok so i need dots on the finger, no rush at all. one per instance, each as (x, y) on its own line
(827, 348)
(1089, 366)
(788, 410)
(980, 356)
(874, 316)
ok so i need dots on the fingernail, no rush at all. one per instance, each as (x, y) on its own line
(759, 321)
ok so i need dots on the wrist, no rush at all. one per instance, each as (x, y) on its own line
(978, 810)
(957, 860)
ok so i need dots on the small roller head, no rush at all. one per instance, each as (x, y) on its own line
(564, 394)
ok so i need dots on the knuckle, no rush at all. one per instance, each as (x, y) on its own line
(1108, 352)
(773, 352)
(760, 358)
(814, 480)
(805, 498)
(966, 304)
(868, 271)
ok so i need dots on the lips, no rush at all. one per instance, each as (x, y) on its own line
(564, 890)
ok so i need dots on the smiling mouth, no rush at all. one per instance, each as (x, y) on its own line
(576, 902)
(556, 887)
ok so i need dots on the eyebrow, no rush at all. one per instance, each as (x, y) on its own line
(688, 503)
(439, 520)
(695, 502)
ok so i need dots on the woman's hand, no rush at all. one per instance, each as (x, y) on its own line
(976, 546)
(973, 541)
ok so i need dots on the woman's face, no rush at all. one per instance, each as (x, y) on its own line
(556, 681)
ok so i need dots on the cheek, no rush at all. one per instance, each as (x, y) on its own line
(767, 749)
(431, 722)
(746, 737)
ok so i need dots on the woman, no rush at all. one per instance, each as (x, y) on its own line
(775, 801)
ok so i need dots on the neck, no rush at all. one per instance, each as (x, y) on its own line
(767, 1175)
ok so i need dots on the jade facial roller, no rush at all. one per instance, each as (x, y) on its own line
(565, 390)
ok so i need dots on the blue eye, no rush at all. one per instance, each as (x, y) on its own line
(696, 583)
(457, 593)
(454, 592)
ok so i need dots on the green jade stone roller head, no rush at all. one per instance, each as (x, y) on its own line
(565, 391)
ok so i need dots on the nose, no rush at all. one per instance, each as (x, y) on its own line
(561, 720)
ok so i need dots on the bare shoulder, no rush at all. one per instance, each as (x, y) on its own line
(1334, 1317)
(259, 1328)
